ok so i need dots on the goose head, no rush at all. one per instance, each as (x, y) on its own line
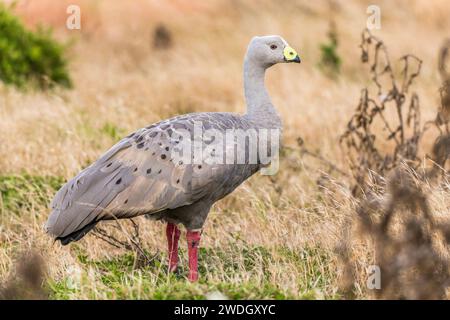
(269, 50)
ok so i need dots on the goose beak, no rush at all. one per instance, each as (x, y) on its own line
(290, 55)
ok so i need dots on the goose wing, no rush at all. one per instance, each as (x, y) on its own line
(138, 175)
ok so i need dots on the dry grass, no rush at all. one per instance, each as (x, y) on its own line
(274, 237)
(410, 242)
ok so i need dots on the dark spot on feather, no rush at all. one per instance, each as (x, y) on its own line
(159, 171)
(119, 181)
(167, 148)
(149, 170)
(159, 143)
(199, 167)
(141, 145)
(178, 181)
(126, 201)
(109, 165)
(130, 135)
(139, 139)
(164, 127)
(135, 169)
(170, 131)
(153, 134)
(153, 153)
(163, 156)
(180, 162)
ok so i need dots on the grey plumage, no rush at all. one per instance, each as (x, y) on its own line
(140, 176)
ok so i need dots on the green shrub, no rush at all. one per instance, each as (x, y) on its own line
(30, 57)
(330, 62)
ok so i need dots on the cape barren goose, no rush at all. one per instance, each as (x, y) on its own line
(142, 174)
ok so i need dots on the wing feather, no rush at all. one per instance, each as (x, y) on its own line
(136, 176)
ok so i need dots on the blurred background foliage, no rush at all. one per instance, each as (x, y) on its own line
(30, 58)
(330, 61)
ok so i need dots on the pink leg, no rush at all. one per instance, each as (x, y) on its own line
(193, 240)
(173, 235)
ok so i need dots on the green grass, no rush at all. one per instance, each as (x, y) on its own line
(112, 131)
(92, 133)
(239, 270)
(116, 278)
(20, 193)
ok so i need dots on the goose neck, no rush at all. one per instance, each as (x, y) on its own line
(259, 106)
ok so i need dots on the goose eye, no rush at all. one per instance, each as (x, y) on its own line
(273, 46)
